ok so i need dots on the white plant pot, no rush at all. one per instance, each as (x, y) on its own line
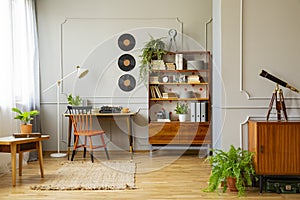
(182, 117)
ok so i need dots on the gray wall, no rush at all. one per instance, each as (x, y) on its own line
(250, 35)
(84, 32)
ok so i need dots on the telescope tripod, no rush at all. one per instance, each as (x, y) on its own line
(280, 105)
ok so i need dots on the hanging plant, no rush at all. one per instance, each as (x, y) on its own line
(154, 49)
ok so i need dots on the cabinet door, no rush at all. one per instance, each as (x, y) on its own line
(163, 133)
(279, 148)
(194, 133)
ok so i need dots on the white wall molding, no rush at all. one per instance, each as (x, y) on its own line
(242, 89)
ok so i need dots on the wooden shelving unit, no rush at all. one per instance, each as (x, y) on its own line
(175, 134)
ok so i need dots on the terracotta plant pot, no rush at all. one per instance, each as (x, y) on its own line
(26, 128)
(231, 184)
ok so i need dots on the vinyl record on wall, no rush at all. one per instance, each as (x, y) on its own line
(126, 42)
(127, 82)
(126, 62)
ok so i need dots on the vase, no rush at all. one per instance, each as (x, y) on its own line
(182, 117)
(26, 128)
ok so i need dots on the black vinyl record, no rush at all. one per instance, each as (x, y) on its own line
(126, 62)
(127, 82)
(126, 42)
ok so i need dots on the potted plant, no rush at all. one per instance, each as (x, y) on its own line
(25, 117)
(74, 101)
(235, 164)
(154, 49)
(181, 109)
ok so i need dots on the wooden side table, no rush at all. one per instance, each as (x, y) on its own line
(14, 145)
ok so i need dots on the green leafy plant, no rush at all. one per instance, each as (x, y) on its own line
(181, 108)
(154, 49)
(74, 101)
(236, 163)
(26, 116)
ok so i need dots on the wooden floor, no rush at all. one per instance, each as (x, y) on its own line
(167, 175)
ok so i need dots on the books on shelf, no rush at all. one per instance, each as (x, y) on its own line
(158, 65)
(179, 61)
(169, 95)
(155, 91)
(193, 79)
(152, 91)
(170, 66)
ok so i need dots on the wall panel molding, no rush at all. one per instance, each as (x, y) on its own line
(242, 56)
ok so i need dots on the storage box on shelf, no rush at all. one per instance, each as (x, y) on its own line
(189, 84)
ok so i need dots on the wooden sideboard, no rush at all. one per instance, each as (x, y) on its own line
(277, 147)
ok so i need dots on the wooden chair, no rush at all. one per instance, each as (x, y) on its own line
(81, 117)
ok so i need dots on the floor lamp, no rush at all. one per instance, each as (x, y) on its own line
(81, 72)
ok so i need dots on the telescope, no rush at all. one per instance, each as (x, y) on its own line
(277, 80)
(280, 105)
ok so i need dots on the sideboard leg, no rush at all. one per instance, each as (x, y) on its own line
(260, 183)
(151, 149)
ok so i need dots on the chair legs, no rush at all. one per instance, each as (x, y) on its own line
(104, 145)
(92, 157)
(84, 152)
(90, 147)
(106, 152)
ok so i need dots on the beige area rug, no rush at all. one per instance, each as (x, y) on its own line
(85, 175)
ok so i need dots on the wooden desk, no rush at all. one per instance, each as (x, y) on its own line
(277, 148)
(127, 116)
(14, 145)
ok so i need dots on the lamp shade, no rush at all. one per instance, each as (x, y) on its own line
(81, 72)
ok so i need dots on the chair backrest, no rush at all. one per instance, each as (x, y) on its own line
(81, 117)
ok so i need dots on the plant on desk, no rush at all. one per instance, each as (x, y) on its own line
(74, 101)
(25, 117)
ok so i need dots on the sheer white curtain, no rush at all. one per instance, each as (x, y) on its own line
(19, 69)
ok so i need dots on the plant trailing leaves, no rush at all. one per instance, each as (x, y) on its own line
(235, 163)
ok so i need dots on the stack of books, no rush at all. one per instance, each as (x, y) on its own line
(193, 79)
(158, 65)
(170, 66)
(169, 95)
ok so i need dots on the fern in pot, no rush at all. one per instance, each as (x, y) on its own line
(234, 165)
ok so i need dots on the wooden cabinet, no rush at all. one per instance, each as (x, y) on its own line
(277, 147)
(189, 85)
(179, 133)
